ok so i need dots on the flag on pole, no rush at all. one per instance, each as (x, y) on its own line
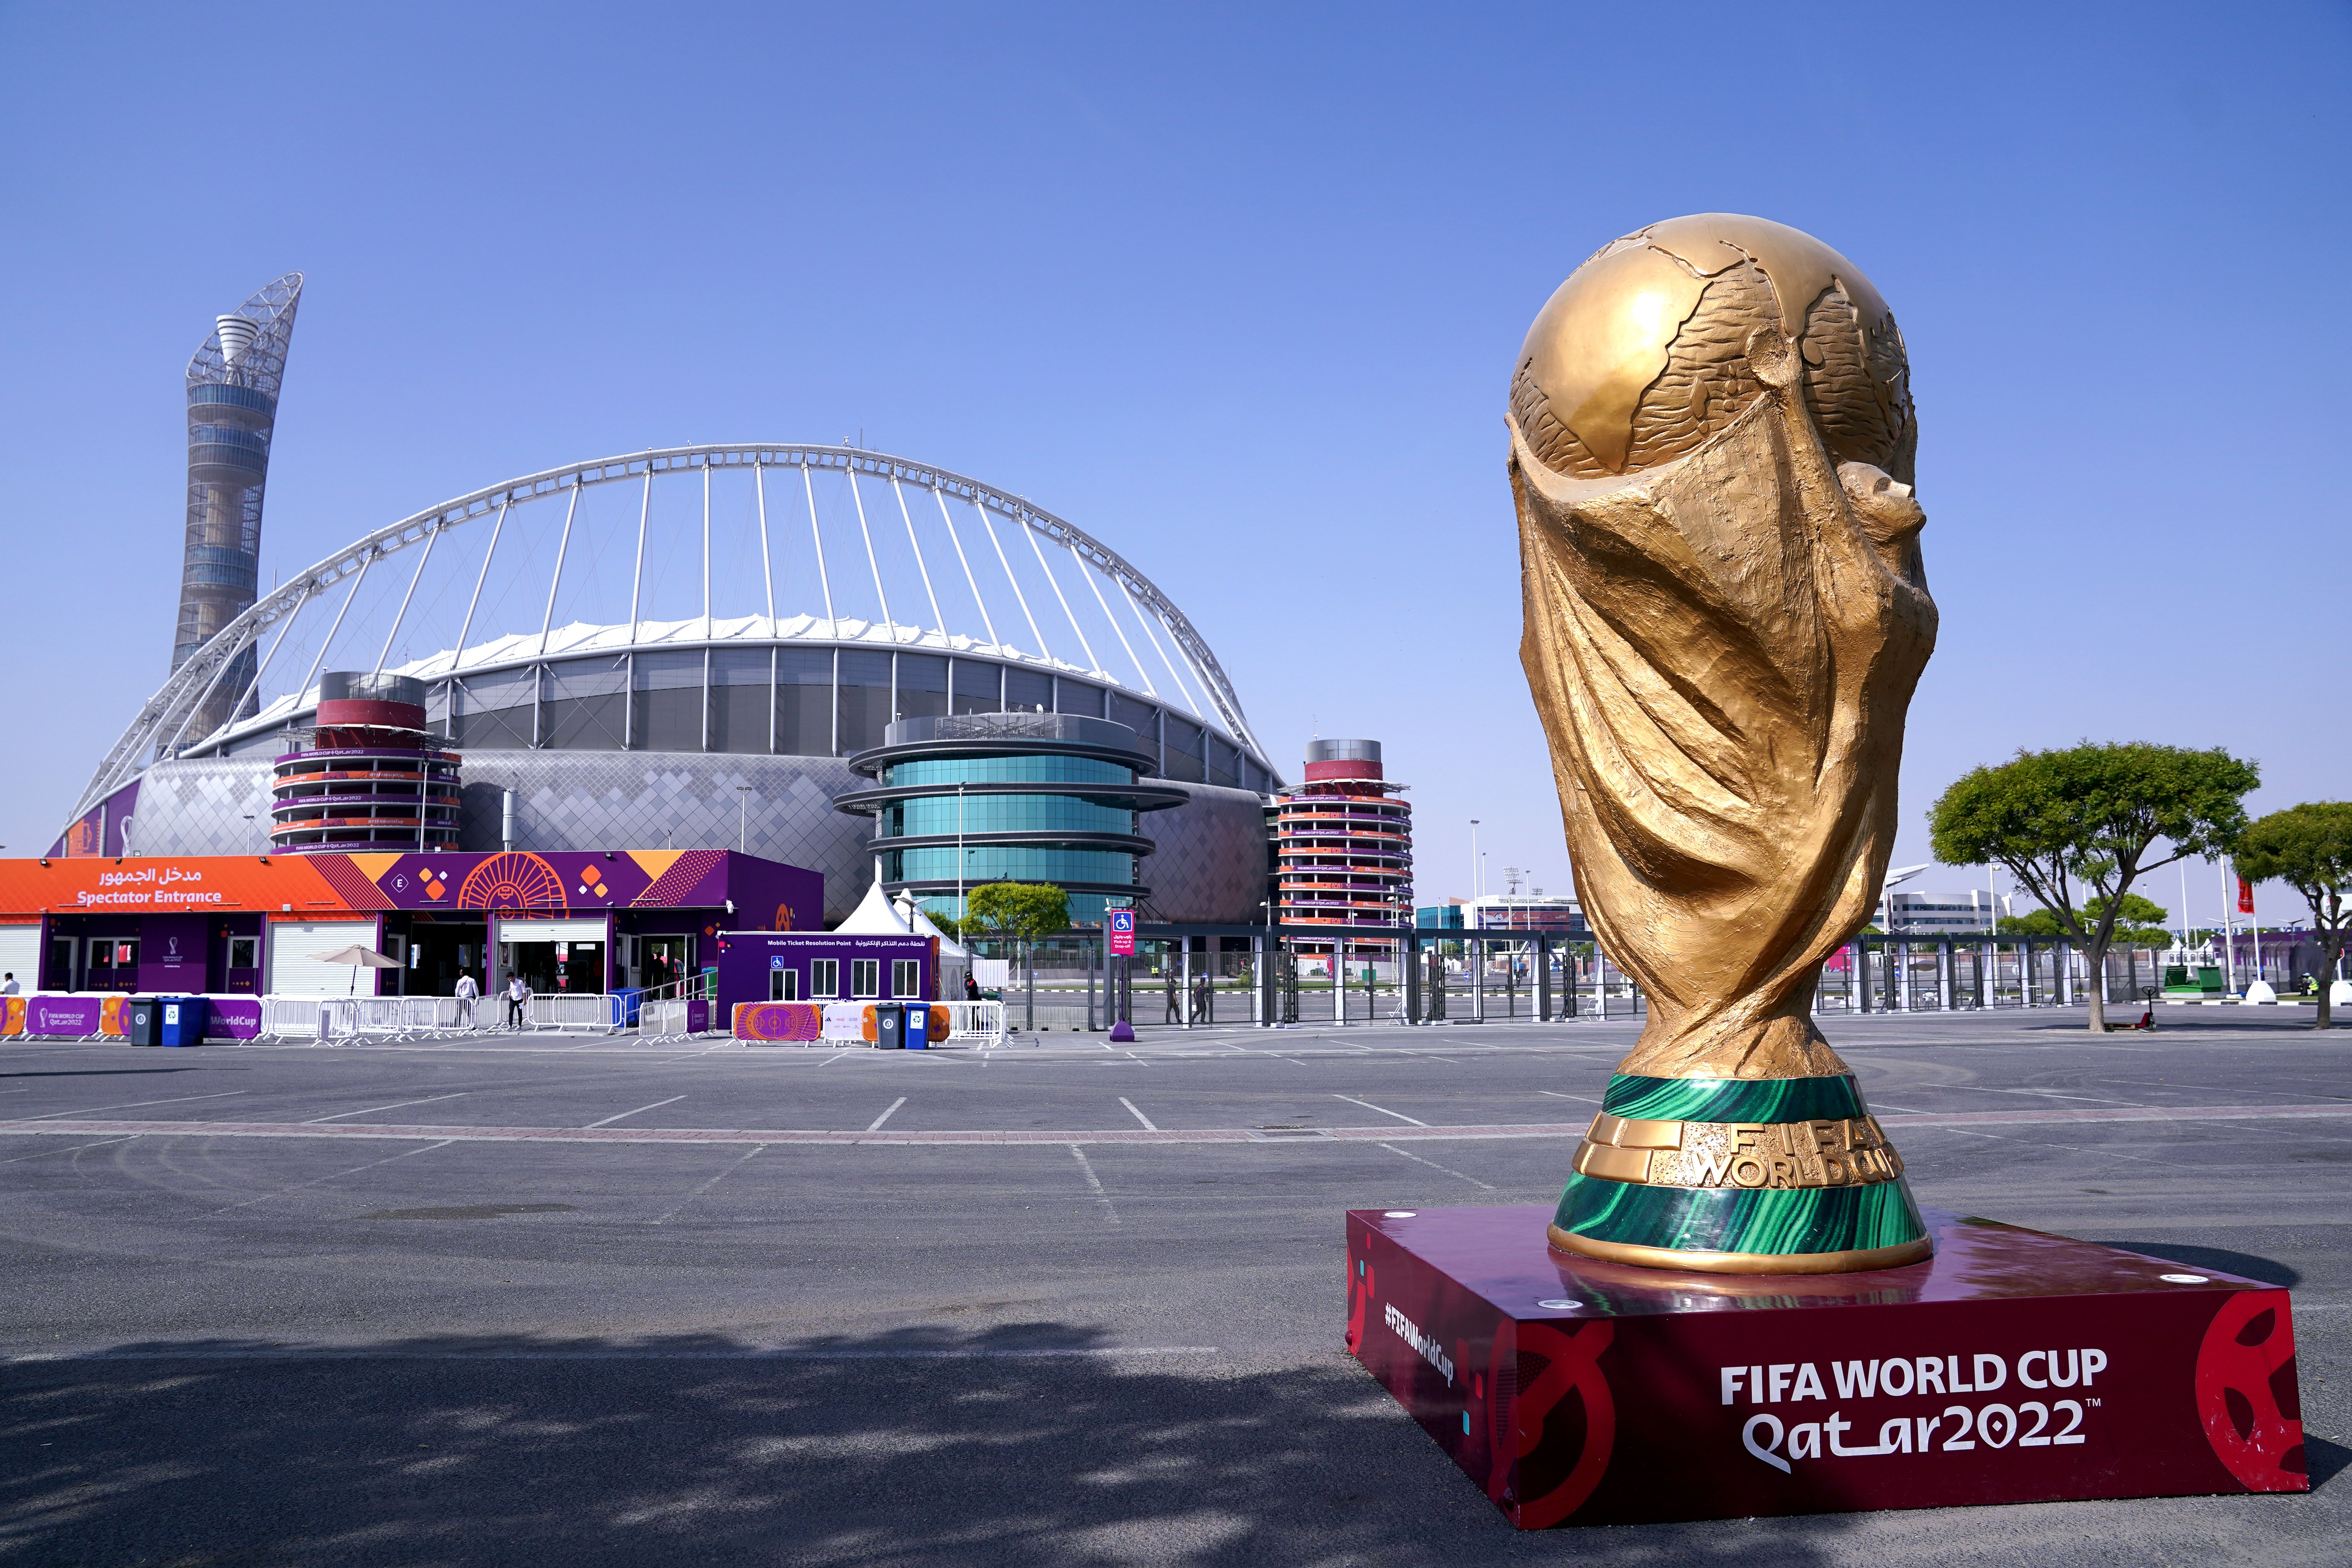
(2245, 897)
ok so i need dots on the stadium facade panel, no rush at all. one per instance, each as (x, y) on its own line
(1208, 860)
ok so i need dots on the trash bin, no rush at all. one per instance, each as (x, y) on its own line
(889, 1027)
(184, 1021)
(919, 1019)
(632, 1002)
(141, 1015)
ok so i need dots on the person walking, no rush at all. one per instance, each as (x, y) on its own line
(970, 987)
(516, 994)
(468, 994)
(1172, 1015)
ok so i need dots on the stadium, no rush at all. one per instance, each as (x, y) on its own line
(682, 648)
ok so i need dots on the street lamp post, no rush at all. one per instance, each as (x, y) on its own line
(2229, 933)
(1266, 949)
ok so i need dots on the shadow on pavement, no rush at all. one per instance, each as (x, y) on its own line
(900, 1449)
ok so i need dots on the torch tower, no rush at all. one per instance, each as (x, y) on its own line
(233, 385)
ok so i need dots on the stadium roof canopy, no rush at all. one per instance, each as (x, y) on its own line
(713, 547)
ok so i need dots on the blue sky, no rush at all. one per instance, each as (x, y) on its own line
(1237, 288)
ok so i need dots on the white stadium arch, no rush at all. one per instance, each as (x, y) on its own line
(683, 647)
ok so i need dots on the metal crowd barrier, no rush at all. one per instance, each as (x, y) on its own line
(597, 1011)
(670, 1017)
(854, 1023)
(327, 1018)
(980, 1023)
(291, 1018)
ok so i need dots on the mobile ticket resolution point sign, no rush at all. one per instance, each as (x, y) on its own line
(1122, 934)
(2013, 1366)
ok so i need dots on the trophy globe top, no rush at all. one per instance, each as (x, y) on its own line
(1641, 356)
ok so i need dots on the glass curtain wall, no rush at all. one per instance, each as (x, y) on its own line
(793, 701)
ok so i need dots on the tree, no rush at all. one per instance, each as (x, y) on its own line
(962, 929)
(2138, 923)
(2309, 847)
(2093, 814)
(1021, 911)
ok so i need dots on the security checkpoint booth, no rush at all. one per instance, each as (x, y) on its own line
(885, 976)
(586, 931)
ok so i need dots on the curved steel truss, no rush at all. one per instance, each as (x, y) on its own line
(162, 724)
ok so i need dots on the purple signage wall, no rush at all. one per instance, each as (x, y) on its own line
(747, 958)
(172, 953)
(766, 894)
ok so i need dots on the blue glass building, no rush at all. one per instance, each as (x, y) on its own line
(968, 798)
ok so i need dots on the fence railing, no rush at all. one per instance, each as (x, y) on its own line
(597, 1012)
(325, 1018)
(673, 1016)
(1460, 977)
(855, 1023)
(975, 1023)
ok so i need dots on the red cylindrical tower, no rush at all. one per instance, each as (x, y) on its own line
(1343, 845)
(369, 776)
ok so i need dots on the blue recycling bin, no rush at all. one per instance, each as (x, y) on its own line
(182, 1022)
(633, 999)
(918, 1020)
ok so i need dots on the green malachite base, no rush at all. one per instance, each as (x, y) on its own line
(1738, 1229)
(1734, 1098)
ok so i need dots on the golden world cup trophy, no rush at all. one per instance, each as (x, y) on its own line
(1726, 613)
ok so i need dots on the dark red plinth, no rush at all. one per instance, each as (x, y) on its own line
(1583, 1392)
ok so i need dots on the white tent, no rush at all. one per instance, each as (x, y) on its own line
(877, 915)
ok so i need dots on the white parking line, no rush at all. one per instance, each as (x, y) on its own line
(354, 1170)
(1589, 1099)
(128, 1105)
(878, 1121)
(1383, 1109)
(1138, 1114)
(1435, 1166)
(1094, 1182)
(709, 1185)
(657, 1105)
(372, 1110)
(2047, 1094)
(71, 1147)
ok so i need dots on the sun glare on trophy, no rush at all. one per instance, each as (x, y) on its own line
(1641, 355)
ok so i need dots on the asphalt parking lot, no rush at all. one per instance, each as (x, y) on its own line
(532, 1301)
